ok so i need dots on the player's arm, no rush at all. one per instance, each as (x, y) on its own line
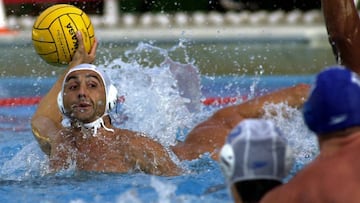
(227, 118)
(46, 120)
(293, 96)
(343, 27)
(62, 152)
(210, 135)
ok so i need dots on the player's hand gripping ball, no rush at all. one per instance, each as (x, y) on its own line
(54, 33)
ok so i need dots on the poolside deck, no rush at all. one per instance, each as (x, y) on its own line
(278, 42)
(257, 26)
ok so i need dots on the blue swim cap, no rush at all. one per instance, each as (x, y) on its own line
(334, 101)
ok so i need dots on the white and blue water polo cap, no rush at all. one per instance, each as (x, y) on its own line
(255, 149)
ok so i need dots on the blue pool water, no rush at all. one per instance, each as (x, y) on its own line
(23, 166)
(152, 105)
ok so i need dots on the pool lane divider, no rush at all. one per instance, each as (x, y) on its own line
(28, 101)
(19, 101)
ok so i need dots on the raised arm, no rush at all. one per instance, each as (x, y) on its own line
(343, 26)
(46, 120)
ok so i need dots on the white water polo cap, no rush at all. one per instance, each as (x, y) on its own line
(256, 149)
(110, 91)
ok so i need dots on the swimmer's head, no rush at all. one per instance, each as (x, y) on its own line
(255, 150)
(110, 89)
(333, 103)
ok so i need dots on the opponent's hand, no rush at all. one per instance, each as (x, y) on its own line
(81, 56)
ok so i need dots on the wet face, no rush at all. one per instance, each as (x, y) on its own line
(84, 96)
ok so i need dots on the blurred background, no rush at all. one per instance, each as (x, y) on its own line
(182, 12)
(222, 36)
(34, 7)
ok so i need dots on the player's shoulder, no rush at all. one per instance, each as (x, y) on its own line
(130, 135)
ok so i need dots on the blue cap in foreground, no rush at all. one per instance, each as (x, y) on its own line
(334, 101)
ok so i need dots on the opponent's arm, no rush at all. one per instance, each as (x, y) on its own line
(343, 27)
(46, 120)
(294, 96)
(209, 136)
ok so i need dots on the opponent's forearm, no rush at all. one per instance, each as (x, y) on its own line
(294, 96)
(343, 26)
(341, 19)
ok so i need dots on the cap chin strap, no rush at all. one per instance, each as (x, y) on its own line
(95, 125)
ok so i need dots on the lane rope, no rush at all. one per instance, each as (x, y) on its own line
(19, 101)
(29, 101)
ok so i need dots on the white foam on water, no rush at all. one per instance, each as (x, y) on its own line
(153, 101)
(301, 140)
(130, 196)
(28, 163)
(165, 191)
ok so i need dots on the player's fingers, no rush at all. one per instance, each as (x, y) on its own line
(81, 56)
(80, 41)
(94, 47)
(90, 57)
(78, 57)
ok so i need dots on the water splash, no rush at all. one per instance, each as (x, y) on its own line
(129, 196)
(156, 101)
(165, 191)
(30, 162)
(291, 123)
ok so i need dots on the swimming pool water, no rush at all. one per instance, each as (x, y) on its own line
(23, 166)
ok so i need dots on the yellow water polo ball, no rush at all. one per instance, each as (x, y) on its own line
(54, 33)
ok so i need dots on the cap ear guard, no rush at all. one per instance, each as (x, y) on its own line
(110, 89)
(60, 103)
(289, 160)
(227, 161)
(112, 97)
